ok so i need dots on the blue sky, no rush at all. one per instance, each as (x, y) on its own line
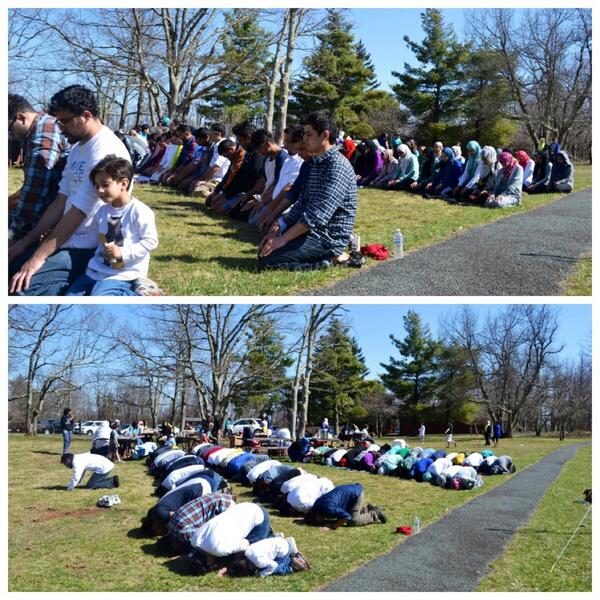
(373, 323)
(382, 32)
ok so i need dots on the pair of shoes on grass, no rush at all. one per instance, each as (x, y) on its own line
(108, 501)
(354, 259)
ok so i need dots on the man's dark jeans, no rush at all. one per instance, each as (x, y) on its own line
(98, 481)
(262, 531)
(59, 271)
(302, 253)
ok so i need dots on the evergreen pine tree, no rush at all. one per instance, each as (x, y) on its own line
(264, 368)
(336, 75)
(433, 90)
(242, 95)
(338, 379)
(413, 377)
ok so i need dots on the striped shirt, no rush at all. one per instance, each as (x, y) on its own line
(42, 150)
(197, 512)
(327, 203)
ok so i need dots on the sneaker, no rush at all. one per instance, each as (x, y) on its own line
(116, 481)
(380, 515)
(143, 286)
(115, 500)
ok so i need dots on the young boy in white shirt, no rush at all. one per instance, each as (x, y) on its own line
(127, 235)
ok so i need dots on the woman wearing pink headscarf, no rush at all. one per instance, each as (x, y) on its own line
(528, 165)
(508, 184)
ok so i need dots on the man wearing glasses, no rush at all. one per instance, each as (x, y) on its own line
(57, 250)
(43, 144)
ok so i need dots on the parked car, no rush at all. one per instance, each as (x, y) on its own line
(76, 426)
(49, 425)
(89, 427)
(238, 426)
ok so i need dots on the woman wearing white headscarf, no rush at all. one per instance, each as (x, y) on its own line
(407, 171)
(482, 184)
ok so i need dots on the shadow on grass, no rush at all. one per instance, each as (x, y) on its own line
(184, 258)
(52, 487)
(46, 452)
(178, 565)
(249, 265)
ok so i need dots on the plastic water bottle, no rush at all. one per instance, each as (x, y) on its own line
(398, 244)
(417, 525)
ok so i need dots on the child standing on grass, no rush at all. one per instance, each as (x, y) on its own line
(448, 433)
(127, 235)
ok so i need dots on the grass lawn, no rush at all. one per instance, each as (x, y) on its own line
(59, 541)
(536, 546)
(203, 254)
(580, 283)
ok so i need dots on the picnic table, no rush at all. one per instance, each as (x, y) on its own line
(273, 446)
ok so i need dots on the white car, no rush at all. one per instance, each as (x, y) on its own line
(89, 427)
(238, 426)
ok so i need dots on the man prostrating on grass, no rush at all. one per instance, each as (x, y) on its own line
(317, 229)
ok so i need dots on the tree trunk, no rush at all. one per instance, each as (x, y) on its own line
(294, 20)
(139, 112)
(274, 79)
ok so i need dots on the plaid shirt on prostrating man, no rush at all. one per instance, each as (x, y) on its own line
(197, 512)
(327, 204)
(43, 148)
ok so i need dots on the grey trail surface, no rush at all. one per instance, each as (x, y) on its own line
(527, 254)
(476, 534)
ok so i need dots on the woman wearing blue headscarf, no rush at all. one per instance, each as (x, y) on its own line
(468, 180)
(445, 180)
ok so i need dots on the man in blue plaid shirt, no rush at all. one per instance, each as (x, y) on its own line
(194, 514)
(43, 145)
(318, 227)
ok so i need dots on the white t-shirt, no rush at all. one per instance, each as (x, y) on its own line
(88, 462)
(338, 455)
(261, 468)
(218, 161)
(262, 554)
(473, 460)
(77, 187)
(270, 167)
(206, 487)
(294, 482)
(170, 481)
(132, 228)
(199, 447)
(289, 172)
(304, 496)
(439, 466)
(528, 172)
(216, 457)
(226, 533)
(167, 456)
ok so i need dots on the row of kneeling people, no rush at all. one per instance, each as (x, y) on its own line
(456, 470)
(198, 514)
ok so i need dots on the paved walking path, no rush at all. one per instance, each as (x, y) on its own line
(454, 553)
(527, 254)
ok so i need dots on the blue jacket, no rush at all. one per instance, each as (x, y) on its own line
(449, 173)
(338, 501)
(235, 464)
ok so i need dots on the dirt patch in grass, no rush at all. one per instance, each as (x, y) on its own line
(53, 513)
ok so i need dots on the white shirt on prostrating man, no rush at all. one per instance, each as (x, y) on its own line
(289, 173)
(88, 462)
(473, 460)
(170, 481)
(262, 554)
(338, 454)
(206, 487)
(139, 237)
(304, 496)
(294, 482)
(168, 456)
(261, 468)
(439, 466)
(216, 457)
(79, 190)
(226, 533)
